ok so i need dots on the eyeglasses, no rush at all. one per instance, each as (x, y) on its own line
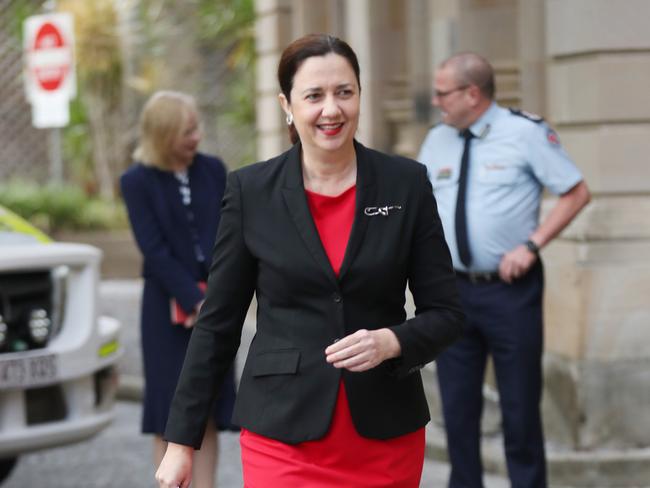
(443, 94)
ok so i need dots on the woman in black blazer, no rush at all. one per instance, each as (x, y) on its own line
(172, 195)
(332, 338)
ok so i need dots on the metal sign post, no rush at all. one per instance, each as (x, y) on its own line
(50, 78)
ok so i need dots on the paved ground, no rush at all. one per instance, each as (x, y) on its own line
(121, 457)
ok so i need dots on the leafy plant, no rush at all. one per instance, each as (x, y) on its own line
(16, 13)
(93, 141)
(217, 65)
(57, 207)
(228, 25)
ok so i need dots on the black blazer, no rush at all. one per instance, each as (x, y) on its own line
(267, 243)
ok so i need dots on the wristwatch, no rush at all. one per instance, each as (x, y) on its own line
(532, 247)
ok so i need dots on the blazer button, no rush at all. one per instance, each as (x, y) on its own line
(337, 298)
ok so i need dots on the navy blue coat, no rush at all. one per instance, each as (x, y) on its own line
(161, 227)
(170, 269)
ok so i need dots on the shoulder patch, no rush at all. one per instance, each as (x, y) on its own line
(552, 137)
(538, 119)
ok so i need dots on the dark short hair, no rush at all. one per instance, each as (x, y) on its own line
(306, 47)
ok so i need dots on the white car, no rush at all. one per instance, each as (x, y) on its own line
(58, 359)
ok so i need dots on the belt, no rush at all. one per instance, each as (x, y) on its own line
(479, 276)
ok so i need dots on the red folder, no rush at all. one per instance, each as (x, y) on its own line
(178, 315)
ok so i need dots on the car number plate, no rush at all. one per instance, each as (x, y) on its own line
(29, 371)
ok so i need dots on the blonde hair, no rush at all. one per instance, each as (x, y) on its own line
(162, 120)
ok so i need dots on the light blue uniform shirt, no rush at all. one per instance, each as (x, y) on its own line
(512, 158)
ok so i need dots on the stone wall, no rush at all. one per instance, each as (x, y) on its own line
(598, 339)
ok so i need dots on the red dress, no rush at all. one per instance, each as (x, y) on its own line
(341, 459)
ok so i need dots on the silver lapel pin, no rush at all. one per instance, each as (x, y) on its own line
(372, 211)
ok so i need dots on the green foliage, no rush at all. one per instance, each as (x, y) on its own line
(77, 147)
(52, 208)
(97, 47)
(225, 22)
(92, 146)
(16, 13)
(228, 25)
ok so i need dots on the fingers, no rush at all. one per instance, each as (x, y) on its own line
(516, 264)
(189, 323)
(164, 482)
(352, 341)
(357, 362)
(363, 350)
(504, 271)
(352, 351)
(175, 470)
(356, 368)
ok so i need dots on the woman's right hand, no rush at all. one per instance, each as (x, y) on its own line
(175, 470)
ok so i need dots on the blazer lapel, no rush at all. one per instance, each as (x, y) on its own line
(366, 197)
(296, 201)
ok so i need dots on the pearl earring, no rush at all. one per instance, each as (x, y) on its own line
(289, 118)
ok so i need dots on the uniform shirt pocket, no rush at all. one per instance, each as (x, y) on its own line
(445, 177)
(276, 362)
(498, 174)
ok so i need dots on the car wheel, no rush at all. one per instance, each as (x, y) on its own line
(6, 466)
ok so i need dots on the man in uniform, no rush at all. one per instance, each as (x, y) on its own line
(488, 166)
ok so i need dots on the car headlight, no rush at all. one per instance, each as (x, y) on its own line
(40, 325)
(59, 277)
(4, 329)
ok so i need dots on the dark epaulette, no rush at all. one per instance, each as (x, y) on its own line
(538, 119)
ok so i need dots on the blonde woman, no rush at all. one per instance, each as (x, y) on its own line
(173, 195)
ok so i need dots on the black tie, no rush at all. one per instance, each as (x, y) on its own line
(461, 220)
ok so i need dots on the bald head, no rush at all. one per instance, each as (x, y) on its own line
(471, 69)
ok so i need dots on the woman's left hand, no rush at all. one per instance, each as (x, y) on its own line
(191, 319)
(363, 350)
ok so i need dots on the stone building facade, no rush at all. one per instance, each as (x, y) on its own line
(585, 66)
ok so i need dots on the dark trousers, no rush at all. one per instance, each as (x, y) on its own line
(504, 321)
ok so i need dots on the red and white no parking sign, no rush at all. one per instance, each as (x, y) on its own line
(49, 68)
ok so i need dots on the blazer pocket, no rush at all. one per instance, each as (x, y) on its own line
(282, 361)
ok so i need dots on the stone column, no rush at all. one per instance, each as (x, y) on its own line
(273, 31)
(407, 109)
(358, 32)
(375, 30)
(488, 28)
(532, 55)
(598, 311)
(318, 17)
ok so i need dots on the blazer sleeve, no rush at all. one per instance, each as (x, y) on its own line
(160, 262)
(438, 317)
(217, 332)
